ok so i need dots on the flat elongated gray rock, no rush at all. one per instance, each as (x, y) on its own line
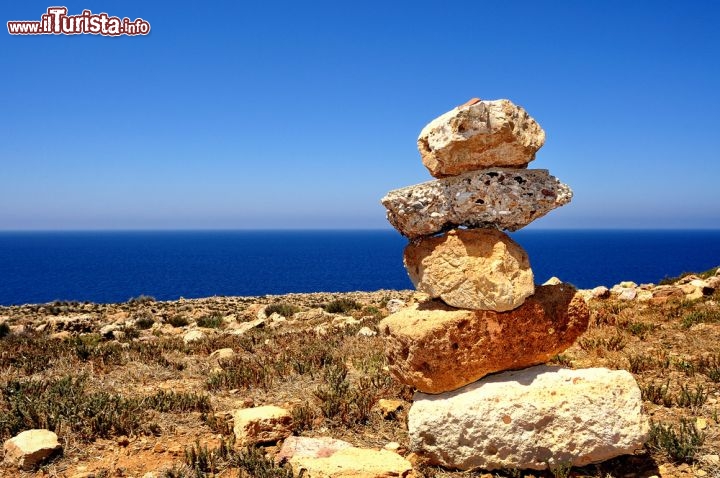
(479, 134)
(502, 198)
(530, 418)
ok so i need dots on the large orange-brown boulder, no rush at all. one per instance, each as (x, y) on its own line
(480, 269)
(436, 348)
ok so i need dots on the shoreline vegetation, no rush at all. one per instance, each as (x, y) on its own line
(149, 389)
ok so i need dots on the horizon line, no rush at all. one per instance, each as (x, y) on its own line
(348, 229)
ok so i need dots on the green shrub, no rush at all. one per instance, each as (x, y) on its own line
(210, 321)
(691, 398)
(286, 310)
(700, 316)
(613, 343)
(171, 401)
(241, 372)
(250, 462)
(562, 360)
(145, 321)
(343, 401)
(65, 403)
(681, 445)
(130, 332)
(710, 367)
(640, 363)
(178, 321)
(341, 306)
(657, 394)
(639, 329)
(303, 417)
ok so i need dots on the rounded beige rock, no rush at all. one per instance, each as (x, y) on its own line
(480, 269)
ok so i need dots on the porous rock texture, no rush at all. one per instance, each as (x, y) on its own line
(477, 135)
(30, 448)
(352, 463)
(500, 198)
(530, 418)
(436, 348)
(263, 424)
(480, 269)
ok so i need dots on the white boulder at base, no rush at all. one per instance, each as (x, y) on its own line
(30, 448)
(530, 418)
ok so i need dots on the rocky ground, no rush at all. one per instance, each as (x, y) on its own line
(149, 388)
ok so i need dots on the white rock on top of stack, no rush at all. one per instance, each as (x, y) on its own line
(502, 198)
(478, 135)
(531, 418)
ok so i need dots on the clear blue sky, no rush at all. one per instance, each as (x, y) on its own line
(304, 114)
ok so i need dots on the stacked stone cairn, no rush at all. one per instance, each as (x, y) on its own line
(481, 313)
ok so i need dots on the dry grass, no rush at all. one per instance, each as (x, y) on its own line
(171, 400)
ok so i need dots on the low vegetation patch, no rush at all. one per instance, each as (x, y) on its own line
(341, 306)
(178, 321)
(248, 462)
(65, 404)
(679, 443)
(704, 316)
(4, 330)
(93, 390)
(284, 309)
(210, 321)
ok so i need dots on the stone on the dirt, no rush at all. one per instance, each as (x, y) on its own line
(222, 354)
(193, 336)
(393, 305)
(265, 424)
(628, 293)
(107, 330)
(530, 418)
(389, 407)
(240, 328)
(353, 462)
(29, 449)
(366, 332)
(309, 447)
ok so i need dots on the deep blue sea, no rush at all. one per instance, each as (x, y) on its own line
(40, 267)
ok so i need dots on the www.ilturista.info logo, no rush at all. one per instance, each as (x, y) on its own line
(57, 22)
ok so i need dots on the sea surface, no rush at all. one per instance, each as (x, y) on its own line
(37, 267)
